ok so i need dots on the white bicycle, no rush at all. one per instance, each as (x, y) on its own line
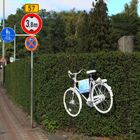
(99, 94)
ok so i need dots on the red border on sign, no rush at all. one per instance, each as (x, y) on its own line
(27, 47)
(31, 15)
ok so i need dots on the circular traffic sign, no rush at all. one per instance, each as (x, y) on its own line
(31, 23)
(31, 43)
(7, 34)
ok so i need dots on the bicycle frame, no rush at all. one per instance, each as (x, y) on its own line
(93, 91)
(91, 84)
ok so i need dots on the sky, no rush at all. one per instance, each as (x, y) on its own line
(114, 6)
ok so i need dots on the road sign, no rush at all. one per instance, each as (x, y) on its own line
(31, 23)
(31, 43)
(31, 8)
(11, 59)
(7, 34)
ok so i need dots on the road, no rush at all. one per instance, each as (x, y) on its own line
(14, 124)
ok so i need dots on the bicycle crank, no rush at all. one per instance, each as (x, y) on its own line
(98, 99)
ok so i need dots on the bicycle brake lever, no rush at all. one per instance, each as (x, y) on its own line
(69, 72)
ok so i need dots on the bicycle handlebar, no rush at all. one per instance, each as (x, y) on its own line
(74, 74)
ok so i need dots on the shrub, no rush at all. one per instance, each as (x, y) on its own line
(51, 80)
(17, 82)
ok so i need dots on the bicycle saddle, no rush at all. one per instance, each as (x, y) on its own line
(90, 71)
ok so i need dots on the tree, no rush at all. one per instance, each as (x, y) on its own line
(124, 24)
(131, 10)
(82, 32)
(100, 27)
(55, 33)
(15, 19)
(43, 13)
(127, 22)
(138, 36)
(70, 21)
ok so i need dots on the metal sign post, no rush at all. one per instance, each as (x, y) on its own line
(31, 24)
(3, 43)
(32, 89)
(20, 35)
(31, 44)
(15, 44)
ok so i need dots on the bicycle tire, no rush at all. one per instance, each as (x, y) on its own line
(99, 104)
(69, 107)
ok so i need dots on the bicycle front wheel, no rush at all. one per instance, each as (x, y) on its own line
(102, 97)
(72, 102)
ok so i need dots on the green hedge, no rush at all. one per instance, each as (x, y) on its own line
(17, 82)
(51, 80)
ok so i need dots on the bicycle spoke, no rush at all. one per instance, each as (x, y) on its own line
(106, 102)
(99, 90)
(103, 102)
(101, 105)
(105, 92)
(72, 103)
(96, 91)
(72, 95)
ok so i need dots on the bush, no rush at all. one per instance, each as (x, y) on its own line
(51, 80)
(17, 82)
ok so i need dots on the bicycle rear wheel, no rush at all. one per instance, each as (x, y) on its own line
(72, 102)
(102, 97)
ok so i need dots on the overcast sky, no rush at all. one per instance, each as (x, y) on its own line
(114, 6)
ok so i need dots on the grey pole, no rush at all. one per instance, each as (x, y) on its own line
(15, 44)
(32, 89)
(3, 43)
(24, 35)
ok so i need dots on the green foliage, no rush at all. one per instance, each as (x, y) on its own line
(70, 19)
(51, 80)
(17, 77)
(127, 22)
(124, 24)
(131, 10)
(10, 22)
(77, 31)
(138, 41)
(49, 124)
(138, 36)
(82, 32)
(72, 31)
(101, 37)
(55, 33)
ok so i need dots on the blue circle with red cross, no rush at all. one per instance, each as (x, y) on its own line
(31, 43)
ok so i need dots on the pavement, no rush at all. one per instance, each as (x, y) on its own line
(15, 124)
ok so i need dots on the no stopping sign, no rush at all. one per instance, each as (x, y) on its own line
(31, 23)
(31, 43)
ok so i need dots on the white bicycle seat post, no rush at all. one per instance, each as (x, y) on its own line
(90, 77)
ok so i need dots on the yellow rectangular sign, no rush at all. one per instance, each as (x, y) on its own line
(31, 8)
